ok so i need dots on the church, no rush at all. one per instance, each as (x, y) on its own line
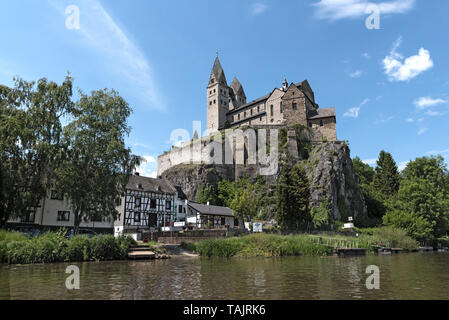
(289, 105)
(286, 108)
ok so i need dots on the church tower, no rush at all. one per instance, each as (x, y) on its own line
(237, 95)
(217, 98)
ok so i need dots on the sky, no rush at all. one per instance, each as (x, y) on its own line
(383, 65)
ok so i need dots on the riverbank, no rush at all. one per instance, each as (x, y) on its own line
(15, 248)
(267, 245)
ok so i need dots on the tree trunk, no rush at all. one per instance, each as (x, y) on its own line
(77, 221)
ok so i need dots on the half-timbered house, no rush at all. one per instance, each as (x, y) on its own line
(148, 204)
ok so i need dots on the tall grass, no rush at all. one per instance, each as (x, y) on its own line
(54, 247)
(268, 245)
(261, 245)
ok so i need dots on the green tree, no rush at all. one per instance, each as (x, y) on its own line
(293, 197)
(96, 165)
(321, 215)
(386, 178)
(207, 193)
(30, 142)
(363, 170)
(422, 204)
(244, 204)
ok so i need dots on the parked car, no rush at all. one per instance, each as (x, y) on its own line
(87, 232)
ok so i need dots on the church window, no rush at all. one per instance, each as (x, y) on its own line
(294, 105)
(321, 123)
(238, 116)
(244, 114)
(210, 103)
(282, 108)
(310, 124)
(215, 101)
(271, 110)
(251, 111)
(214, 90)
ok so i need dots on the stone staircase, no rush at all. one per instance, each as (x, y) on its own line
(141, 252)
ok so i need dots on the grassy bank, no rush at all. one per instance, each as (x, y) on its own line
(266, 245)
(16, 248)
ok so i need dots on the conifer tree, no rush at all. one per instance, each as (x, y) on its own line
(293, 198)
(386, 178)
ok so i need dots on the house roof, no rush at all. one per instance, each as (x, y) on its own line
(150, 184)
(250, 104)
(323, 113)
(211, 210)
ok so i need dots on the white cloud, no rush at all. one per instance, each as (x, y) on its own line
(354, 111)
(422, 131)
(356, 74)
(444, 153)
(426, 102)
(342, 9)
(402, 165)
(399, 69)
(258, 8)
(366, 55)
(101, 33)
(371, 162)
(433, 113)
(409, 120)
(148, 167)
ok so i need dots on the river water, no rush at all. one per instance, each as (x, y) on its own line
(403, 276)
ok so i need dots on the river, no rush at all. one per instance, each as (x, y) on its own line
(403, 276)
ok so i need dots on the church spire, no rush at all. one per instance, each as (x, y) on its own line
(217, 74)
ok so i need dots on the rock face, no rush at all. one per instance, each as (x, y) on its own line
(328, 166)
(190, 176)
(332, 176)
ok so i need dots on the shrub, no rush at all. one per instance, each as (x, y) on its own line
(54, 247)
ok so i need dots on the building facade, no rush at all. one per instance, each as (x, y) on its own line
(148, 204)
(227, 107)
(288, 105)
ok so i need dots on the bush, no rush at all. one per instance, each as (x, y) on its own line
(10, 236)
(54, 247)
(262, 245)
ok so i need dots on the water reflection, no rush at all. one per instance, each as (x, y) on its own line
(407, 276)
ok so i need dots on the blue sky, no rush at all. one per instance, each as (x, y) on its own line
(390, 86)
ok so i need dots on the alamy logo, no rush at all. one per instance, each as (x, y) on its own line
(73, 281)
(231, 147)
(72, 22)
(373, 281)
(373, 20)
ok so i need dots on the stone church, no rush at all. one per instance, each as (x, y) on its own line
(286, 106)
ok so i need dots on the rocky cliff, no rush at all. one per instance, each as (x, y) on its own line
(328, 166)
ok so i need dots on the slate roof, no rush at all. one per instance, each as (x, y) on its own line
(323, 113)
(217, 71)
(150, 184)
(211, 210)
(237, 86)
(250, 104)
